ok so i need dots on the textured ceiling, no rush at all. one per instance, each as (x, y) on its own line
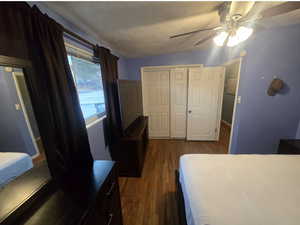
(136, 29)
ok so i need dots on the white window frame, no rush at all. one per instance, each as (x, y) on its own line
(86, 55)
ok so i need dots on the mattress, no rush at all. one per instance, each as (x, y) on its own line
(241, 189)
(12, 165)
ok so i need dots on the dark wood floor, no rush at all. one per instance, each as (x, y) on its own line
(151, 200)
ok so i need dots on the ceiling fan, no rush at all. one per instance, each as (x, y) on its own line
(238, 20)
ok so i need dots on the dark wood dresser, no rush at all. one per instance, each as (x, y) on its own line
(130, 151)
(289, 146)
(84, 199)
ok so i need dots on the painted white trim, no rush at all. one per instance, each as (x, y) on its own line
(239, 59)
(38, 138)
(187, 103)
(178, 138)
(159, 138)
(220, 104)
(36, 155)
(92, 123)
(231, 61)
(143, 91)
(14, 74)
(79, 50)
(226, 123)
(151, 68)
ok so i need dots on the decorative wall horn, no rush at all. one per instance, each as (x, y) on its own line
(275, 86)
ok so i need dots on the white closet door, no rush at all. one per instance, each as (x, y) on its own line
(178, 102)
(205, 96)
(156, 95)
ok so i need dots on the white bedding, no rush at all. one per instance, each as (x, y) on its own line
(241, 189)
(12, 165)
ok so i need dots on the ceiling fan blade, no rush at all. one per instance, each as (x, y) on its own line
(196, 31)
(223, 11)
(240, 8)
(205, 39)
(249, 20)
(254, 24)
(280, 9)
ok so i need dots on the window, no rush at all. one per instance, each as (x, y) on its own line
(88, 81)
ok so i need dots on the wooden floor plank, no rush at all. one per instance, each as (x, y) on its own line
(151, 200)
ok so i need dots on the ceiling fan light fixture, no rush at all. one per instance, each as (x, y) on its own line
(220, 38)
(233, 41)
(242, 34)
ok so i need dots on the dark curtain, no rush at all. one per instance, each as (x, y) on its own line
(109, 71)
(13, 29)
(52, 89)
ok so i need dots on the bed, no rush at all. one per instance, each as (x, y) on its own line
(240, 189)
(12, 165)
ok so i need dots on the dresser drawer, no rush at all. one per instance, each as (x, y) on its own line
(107, 208)
(109, 205)
(115, 218)
(109, 185)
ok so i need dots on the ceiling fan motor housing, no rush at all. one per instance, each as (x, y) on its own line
(236, 17)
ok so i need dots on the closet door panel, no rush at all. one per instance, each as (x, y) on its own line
(178, 102)
(205, 102)
(156, 91)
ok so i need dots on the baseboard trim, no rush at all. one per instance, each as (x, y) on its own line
(159, 138)
(226, 123)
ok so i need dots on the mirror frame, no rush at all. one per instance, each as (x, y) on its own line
(30, 186)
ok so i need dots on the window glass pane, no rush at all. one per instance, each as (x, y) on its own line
(87, 77)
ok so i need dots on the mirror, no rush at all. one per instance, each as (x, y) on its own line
(21, 147)
(23, 164)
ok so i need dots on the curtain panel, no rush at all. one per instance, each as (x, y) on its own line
(51, 86)
(109, 71)
(13, 29)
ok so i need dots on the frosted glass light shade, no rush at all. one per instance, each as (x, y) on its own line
(242, 34)
(220, 38)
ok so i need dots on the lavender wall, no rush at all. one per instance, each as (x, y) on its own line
(261, 120)
(14, 133)
(298, 132)
(122, 68)
(97, 142)
(207, 57)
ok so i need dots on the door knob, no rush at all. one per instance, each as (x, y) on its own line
(190, 111)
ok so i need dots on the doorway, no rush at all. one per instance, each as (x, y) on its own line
(230, 99)
(17, 116)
